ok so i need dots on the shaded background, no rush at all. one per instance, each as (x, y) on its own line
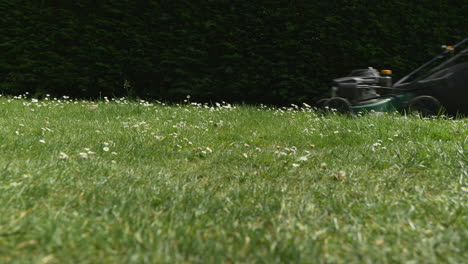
(260, 51)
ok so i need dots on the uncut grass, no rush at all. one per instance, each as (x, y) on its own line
(193, 183)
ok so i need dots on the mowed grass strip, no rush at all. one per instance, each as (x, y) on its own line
(137, 182)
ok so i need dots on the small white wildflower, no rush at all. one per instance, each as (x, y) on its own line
(341, 175)
(113, 162)
(209, 150)
(27, 175)
(63, 155)
(258, 149)
(114, 153)
(245, 155)
(14, 184)
(323, 165)
(92, 107)
(42, 141)
(303, 158)
(295, 165)
(336, 132)
(105, 148)
(84, 155)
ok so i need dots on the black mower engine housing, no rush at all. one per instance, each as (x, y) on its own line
(360, 84)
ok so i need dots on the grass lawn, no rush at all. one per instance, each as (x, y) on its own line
(134, 182)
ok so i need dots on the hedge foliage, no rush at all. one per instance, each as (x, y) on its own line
(261, 51)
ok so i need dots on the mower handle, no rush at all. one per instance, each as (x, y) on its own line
(440, 56)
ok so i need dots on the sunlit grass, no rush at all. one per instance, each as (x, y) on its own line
(135, 182)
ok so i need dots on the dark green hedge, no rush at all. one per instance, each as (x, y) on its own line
(273, 52)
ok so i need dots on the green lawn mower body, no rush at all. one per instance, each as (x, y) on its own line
(440, 85)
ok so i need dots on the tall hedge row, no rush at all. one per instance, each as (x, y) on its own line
(261, 51)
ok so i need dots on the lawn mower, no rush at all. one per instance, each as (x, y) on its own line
(438, 86)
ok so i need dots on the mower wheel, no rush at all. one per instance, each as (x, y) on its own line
(425, 105)
(341, 105)
(320, 104)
